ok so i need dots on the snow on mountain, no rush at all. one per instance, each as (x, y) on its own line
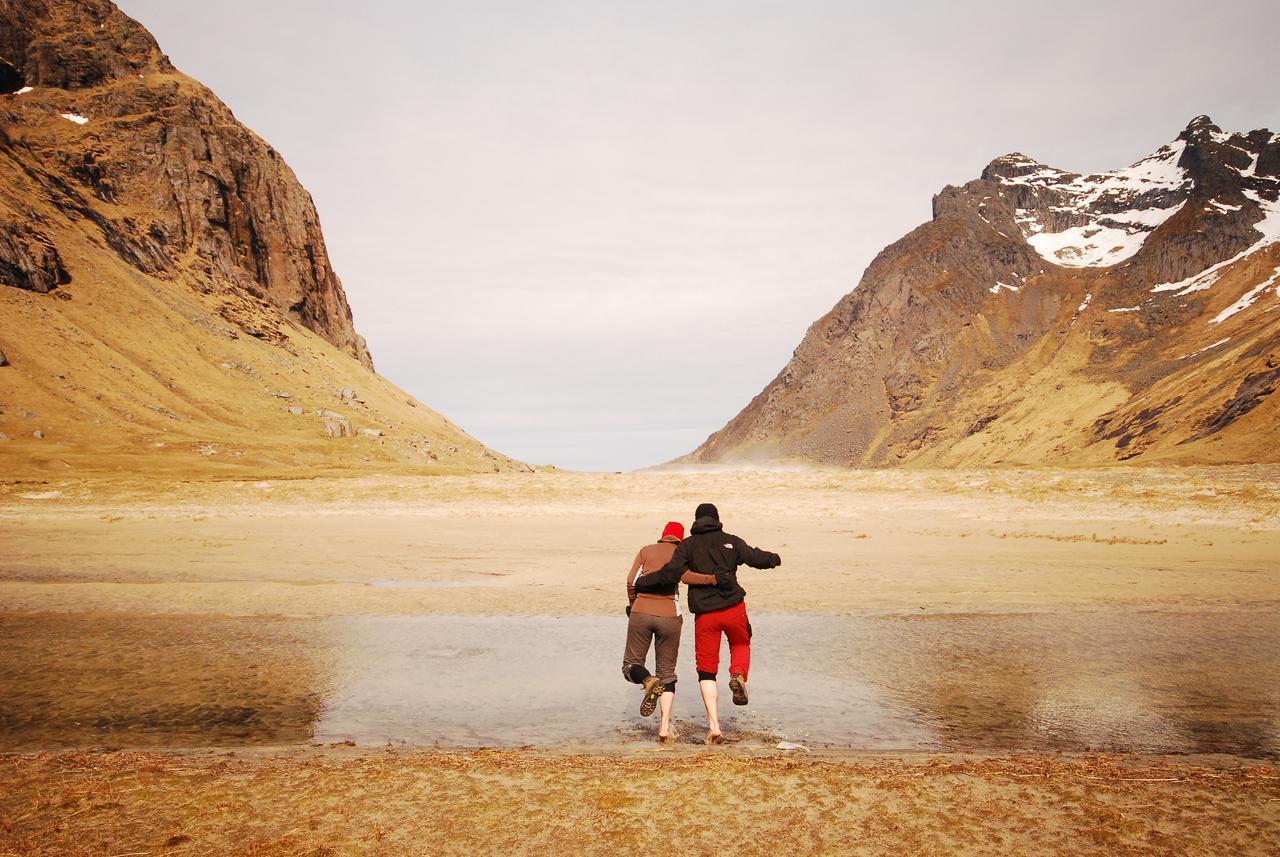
(1108, 216)
(1047, 317)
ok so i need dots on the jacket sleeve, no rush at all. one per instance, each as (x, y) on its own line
(631, 576)
(757, 558)
(668, 575)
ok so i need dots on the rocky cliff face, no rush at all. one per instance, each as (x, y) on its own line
(100, 125)
(1043, 316)
(166, 300)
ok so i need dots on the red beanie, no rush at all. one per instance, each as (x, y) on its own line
(673, 528)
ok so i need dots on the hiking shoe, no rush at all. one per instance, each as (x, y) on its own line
(652, 690)
(738, 685)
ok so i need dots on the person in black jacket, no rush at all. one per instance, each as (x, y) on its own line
(718, 608)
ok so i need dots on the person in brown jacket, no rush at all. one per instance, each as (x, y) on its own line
(654, 616)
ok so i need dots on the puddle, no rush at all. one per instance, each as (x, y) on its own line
(1107, 681)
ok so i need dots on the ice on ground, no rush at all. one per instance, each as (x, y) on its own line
(75, 117)
(1107, 237)
(1248, 299)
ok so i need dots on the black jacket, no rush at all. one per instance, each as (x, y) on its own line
(709, 550)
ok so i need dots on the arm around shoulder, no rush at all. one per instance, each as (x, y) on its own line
(668, 575)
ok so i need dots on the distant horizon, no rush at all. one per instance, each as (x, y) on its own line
(589, 234)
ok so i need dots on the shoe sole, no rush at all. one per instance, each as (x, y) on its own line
(739, 691)
(650, 702)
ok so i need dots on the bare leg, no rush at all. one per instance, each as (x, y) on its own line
(711, 699)
(664, 712)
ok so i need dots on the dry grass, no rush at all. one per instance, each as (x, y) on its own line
(340, 801)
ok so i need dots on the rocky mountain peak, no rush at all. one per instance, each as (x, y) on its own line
(1203, 124)
(167, 304)
(75, 44)
(1044, 315)
(106, 130)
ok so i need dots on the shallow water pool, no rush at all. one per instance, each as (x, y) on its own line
(1167, 682)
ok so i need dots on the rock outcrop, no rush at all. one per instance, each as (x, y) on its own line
(109, 132)
(164, 283)
(1045, 317)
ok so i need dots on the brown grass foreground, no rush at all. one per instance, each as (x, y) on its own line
(333, 801)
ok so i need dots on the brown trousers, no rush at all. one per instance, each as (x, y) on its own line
(665, 631)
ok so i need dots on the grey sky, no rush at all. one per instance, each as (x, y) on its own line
(590, 232)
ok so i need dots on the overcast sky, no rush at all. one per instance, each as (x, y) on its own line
(590, 232)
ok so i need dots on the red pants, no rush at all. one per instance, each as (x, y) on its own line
(707, 628)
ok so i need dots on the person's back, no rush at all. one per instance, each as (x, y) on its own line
(710, 550)
(661, 601)
(654, 616)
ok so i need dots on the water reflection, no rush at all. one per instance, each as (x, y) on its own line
(1122, 681)
(76, 681)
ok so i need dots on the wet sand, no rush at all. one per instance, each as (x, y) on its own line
(1000, 611)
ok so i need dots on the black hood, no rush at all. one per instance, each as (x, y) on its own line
(705, 525)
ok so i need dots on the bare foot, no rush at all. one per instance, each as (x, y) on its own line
(668, 739)
(714, 738)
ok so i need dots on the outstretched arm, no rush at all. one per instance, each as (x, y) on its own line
(757, 558)
(668, 575)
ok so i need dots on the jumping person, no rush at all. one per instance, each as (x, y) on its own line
(655, 615)
(718, 609)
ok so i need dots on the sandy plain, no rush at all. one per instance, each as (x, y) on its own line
(935, 543)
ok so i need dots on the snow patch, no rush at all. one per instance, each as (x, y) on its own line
(1126, 309)
(1222, 206)
(75, 117)
(1106, 238)
(25, 90)
(1090, 246)
(1248, 299)
(1206, 348)
(1088, 297)
(995, 290)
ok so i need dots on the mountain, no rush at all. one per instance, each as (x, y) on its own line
(1047, 317)
(166, 298)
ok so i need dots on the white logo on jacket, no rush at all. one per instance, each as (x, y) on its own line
(728, 545)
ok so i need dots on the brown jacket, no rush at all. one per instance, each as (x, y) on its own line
(651, 558)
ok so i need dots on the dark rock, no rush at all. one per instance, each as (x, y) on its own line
(28, 260)
(212, 189)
